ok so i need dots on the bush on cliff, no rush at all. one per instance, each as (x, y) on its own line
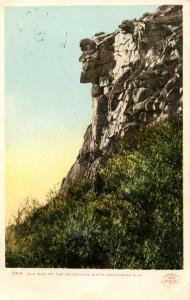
(130, 217)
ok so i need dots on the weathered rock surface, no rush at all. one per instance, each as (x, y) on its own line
(136, 76)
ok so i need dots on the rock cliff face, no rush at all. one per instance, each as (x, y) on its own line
(136, 76)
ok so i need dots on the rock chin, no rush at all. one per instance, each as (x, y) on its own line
(136, 76)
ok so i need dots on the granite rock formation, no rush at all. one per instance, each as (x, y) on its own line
(136, 76)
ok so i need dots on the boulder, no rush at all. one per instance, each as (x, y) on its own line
(139, 94)
(104, 57)
(129, 128)
(87, 44)
(127, 26)
(96, 90)
(104, 81)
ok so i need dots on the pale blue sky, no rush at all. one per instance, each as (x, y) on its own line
(47, 109)
(42, 91)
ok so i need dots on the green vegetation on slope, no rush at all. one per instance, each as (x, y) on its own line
(130, 217)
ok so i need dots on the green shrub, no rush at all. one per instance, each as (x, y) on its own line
(129, 217)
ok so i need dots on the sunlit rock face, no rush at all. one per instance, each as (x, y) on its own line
(136, 77)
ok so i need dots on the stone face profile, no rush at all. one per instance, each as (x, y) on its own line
(136, 77)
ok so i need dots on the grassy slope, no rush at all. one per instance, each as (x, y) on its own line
(129, 217)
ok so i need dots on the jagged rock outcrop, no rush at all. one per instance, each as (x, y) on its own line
(136, 76)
